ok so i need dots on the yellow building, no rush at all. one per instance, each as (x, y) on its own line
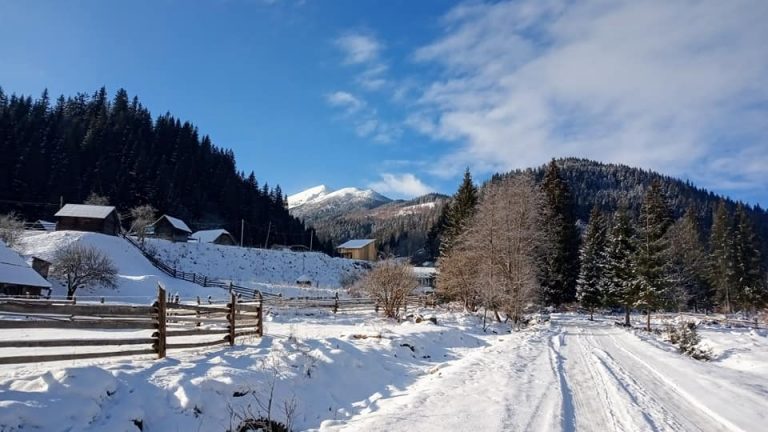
(364, 249)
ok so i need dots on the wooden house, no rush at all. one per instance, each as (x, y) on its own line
(170, 228)
(93, 218)
(362, 249)
(17, 278)
(216, 236)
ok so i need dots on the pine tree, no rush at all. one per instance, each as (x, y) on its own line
(560, 265)
(589, 286)
(653, 280)
(619, 274)
(458, 213)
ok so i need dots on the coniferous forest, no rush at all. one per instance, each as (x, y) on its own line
(72, 147)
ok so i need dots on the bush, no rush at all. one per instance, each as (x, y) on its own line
(390, 283)
(11, 229)
(686, 337)
(261, 424)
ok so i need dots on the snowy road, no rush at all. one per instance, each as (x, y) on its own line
(575, 375)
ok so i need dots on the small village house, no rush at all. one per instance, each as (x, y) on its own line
(170, 228)
(360, 249)
(93, 218)
(215, 236)
(42, 225)
(17, 278)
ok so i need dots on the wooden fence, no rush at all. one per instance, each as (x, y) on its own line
(195, 278)
(173, 326)
(336, 304)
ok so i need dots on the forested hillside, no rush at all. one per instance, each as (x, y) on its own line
(609, 185)
(72, 147)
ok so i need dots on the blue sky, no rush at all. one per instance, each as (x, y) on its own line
(403, 95)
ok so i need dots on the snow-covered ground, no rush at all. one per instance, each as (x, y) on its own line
(268, 270)
(357, 372)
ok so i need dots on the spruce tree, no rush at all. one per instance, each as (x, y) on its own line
(722, 272)
(458, 213)
(688, 264)
(652, 255)
(589, 286)
(560, 265)
(619, 274)
(750, 286)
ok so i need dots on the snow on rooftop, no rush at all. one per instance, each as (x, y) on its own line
(85, 211)
(177, 223)
(209, 236)
(15, 271)
(356, 244)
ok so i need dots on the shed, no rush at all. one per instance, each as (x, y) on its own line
(17, 278)
(93, 218)
(215, 236)
(361, 249)
(170, 228)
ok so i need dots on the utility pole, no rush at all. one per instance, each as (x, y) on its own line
(266, 241)
(61, 201)
(242, 229)
(311, 237)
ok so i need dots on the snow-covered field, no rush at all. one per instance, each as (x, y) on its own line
(358, 372)
(267, 270)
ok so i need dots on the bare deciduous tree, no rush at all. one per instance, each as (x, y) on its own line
(142, 216)
(390, 283)
(96, 199)
(11, 229)
(501, 246)
(81, 265)
(458, 276)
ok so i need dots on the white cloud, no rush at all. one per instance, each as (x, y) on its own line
(404, 185)
(358, 47)
(365, 119)
(677, 86)
(345, 100)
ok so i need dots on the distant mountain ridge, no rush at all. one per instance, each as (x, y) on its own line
(399, 226)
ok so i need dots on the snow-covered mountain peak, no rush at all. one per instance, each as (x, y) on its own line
(320, 198)
(308, 195)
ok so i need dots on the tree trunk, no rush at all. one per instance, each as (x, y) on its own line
(648, 320)
(591, 313)
(71, 292)
(626, 315)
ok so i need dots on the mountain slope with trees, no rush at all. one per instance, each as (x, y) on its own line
(73, 147)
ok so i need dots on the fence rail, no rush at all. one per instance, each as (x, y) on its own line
(175, 325)
(336, 304)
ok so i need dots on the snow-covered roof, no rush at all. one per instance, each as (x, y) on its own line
(424, 271)
(176, 223)
(303, 278)
(85, 211)
(14, 271)
(209, 236)
(356, 244)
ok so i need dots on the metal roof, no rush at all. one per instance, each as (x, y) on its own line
(209, 236)
(14, 271)
(85, 211)
(356, 244)
(176, 223)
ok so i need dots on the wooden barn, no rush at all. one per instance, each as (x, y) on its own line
(17, 278)
(216, 236)
(93, 218)
(170, 228)
(362, 249)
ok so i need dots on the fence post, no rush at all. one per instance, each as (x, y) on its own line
(260, 314)
(336, 303)
(231, 318)
(205, 281)
(161, 335)
(197, 313)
